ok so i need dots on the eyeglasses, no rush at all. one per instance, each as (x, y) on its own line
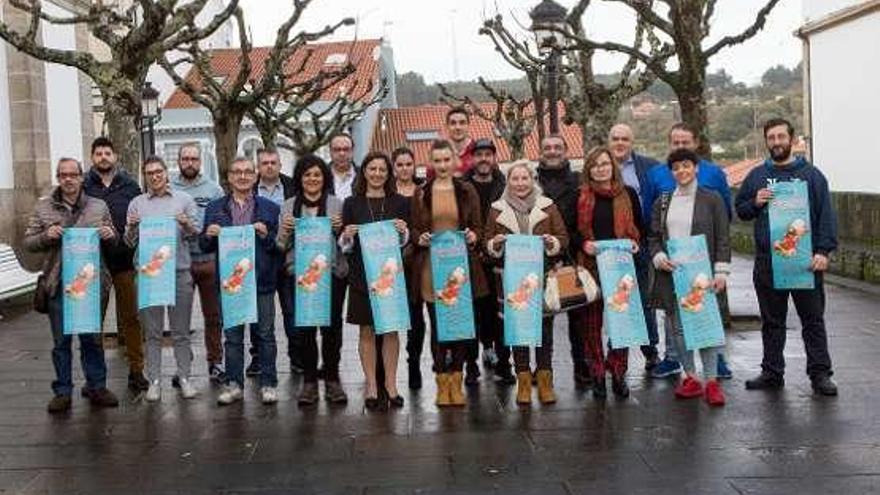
(338, 149)
(241, 173)
(154, 173)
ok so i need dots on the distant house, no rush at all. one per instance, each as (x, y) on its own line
(841, 70)
(416, 127)
(185, 121)
(643, 107)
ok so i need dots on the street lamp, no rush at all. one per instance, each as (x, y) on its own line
(548, 24)
(150, 114)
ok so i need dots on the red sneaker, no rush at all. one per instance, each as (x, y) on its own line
(689, 389)
(714, 394)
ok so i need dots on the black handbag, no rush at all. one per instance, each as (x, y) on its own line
(41, 296)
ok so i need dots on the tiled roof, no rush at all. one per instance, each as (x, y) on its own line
(362, 53)
(393, 125)
(737, 172)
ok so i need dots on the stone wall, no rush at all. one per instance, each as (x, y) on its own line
(858, 222)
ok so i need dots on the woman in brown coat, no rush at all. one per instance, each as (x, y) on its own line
(523, 209)
(445, 203)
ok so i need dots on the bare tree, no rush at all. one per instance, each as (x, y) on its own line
(510, 116)
(231, 97)
(685, 26)
(136, 37)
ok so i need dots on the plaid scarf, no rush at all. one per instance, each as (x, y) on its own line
(624, 221)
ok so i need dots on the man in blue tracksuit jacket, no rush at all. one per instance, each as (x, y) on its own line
(751, 204)
(634, 168)
(711, 177)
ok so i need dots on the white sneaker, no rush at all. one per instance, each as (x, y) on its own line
(231, 393)
(270, 395)
(187, 389)
(154, 393)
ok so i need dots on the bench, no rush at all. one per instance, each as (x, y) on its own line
(14, 280)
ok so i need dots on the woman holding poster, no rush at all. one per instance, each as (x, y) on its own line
(607, 209)
(447, 204)
(373, 200)
(523, 209)
(690, 211)
(312, 198)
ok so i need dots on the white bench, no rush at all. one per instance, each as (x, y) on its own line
(14, 280)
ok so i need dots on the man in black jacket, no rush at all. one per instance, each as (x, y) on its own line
(489, 183)
(113, 185)
(562, 185)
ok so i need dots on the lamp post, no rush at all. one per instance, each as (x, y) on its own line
(150, 114)
(548, 20)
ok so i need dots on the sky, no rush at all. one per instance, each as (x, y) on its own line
(439, 38)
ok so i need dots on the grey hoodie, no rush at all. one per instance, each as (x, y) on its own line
(203, 191)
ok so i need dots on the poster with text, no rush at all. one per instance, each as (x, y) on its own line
(453, 300)
(238, 280)
(81, 280)
(157, 262)
(383, 266)
(313, 265)
(695, 296)
(624, 319)
(523, 284)
(791, 242)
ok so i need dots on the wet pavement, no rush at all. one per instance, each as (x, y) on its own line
(774, 443)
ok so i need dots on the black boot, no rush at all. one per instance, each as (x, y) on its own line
(765, 381)
(599, 390)
(823, 385)
(620, 387)
(415, 376)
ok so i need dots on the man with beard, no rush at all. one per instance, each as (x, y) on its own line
(634, 169)
(115, 187)
(458, 130)
(562, 185)
(751, 204)
(189, 179)
(712, 178)
(489, 183)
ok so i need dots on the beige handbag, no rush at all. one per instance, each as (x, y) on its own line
(569, 287)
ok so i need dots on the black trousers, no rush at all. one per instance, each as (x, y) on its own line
(577, 331)
(302, 342)
(810, 307)
(457, 349)
(415, 338)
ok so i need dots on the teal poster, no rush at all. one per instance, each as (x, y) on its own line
(383, 266)
(523, 284)
(624, 319)
(157, 262)
(451, 276)
(790, 238)
(313, 263)
(695, 295)
(81, 280)
(238, 283)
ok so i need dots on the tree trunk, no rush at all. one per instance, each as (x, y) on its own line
(226, 129)
(695, 114)
(126, 137)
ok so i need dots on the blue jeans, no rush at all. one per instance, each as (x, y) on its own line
(264, 330)
(91, 354)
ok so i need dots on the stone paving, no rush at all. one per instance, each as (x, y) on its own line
(774, 443)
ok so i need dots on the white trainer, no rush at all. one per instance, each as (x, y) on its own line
(187, 389)
(231, 393)
(154, 392)
(270, 395)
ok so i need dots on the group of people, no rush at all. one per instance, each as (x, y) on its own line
(618, 195)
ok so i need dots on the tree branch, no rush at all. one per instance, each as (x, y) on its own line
(752, 30)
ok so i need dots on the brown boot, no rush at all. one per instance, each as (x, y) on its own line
(456, 394)
(443, 390)
(524, 388)
(545, 387)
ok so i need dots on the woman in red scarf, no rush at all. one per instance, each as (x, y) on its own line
(607, 209)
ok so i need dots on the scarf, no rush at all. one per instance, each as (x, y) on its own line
(624, 221)
(522, 208)
(302, 201)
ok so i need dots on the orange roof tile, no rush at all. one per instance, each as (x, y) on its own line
(393, 125)
(737, 172)
(361, 53)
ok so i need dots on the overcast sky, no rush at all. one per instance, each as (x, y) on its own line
(421, 32)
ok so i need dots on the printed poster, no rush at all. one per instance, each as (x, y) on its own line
(624, 319)
(383, 265)
(523, 283)
(791, 241)
(695, 297)
(238, 282)
(313, 265)
(81, 280)
(157, 262)
(453, 300)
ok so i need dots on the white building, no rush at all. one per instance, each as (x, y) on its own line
(841, 73)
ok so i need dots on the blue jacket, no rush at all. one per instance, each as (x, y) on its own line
(822, 218)
(709, 176)
(265, 211)
(122, 189)
(643, 166)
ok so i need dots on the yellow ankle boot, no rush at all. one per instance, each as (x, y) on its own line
(545, 387)
(456, 394)
(443, 390)
(524, 388)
